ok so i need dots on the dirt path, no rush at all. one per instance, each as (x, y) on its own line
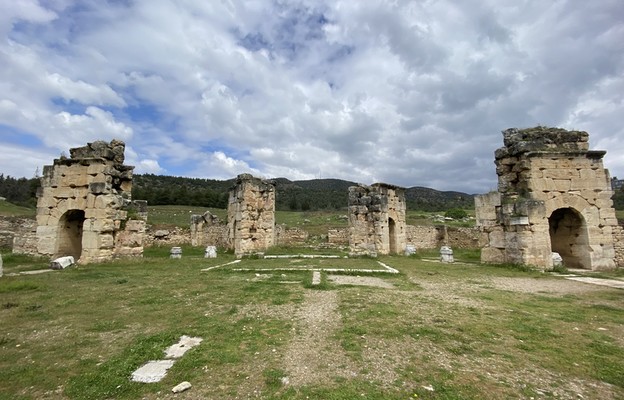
(312, 356)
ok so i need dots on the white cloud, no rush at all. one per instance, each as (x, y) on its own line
(411, 93)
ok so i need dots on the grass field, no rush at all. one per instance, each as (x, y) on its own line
(11, 210)
(444, 332)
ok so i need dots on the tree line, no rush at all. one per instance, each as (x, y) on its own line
(20, 191)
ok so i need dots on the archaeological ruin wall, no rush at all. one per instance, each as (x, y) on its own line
(377, 219)
(82, 206)
(554, 195)
(251, 215)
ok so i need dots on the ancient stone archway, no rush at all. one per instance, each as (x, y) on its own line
(568, 237)
(69, 239)
(553, 195)
(82, 206)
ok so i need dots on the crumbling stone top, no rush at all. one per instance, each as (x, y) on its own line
(382, 185)
(266, 184)
(113, 151)
(542, 139)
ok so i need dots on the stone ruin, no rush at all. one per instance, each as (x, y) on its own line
(251, 215)
(554, 196)
(82, 206)
(208, 230)
(377, 219)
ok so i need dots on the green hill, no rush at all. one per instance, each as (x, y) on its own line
(305, 195)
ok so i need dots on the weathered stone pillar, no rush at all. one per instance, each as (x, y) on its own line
(554, 195)
(251, 215)
(377, 219)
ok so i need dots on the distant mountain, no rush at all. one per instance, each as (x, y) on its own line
(314, 194)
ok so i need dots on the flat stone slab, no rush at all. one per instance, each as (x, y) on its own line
(152, 371)
(316, 277)
(185, 344)
(614, 283)
(360, 281)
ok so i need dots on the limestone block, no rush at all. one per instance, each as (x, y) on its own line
(607, 213)
(109, 201)
(75, 180)
(76, 203)
(90, 201)
(562, 173)
(497, 238)
(106, 241)
(541, 185)
(587, 174)
(561, 185)
(100, 213)
(492, 255)
(62, 262)
(90, 241)
(100, 188)
(95, 168)
(102, 225)
(135, 225)
(63, 193)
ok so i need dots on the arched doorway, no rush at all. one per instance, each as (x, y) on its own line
(69, 241)
(392, 236)
(568, 237)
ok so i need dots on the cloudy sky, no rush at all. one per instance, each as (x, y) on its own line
(413, 93)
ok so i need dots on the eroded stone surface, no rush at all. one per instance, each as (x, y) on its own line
(185, 344)
(152, 371)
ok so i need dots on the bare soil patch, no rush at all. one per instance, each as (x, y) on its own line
(360, 281)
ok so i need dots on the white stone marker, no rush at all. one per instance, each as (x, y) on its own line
(446, 254)
(211, 252)
(176, 252)
(0, 265)
(410, 249)
(316, 278)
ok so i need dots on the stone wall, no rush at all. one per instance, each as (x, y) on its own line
(18, 235)
(169, 237)
(290, 236)
(432, 237)
(251, 215)
(208, 230)
(553, 195)
(338, 236)
(82, 202)
(376, 219)
(618, 244)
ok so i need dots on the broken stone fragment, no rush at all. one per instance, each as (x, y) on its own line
(62, 262)
(181, 387)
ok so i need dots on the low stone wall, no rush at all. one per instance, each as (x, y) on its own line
(431, 237)
(424, 237)
(161, 237)
(209, 235)
(338, 236)
(618, 245)
(129, 241)
(18, 235)
(290, 236)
